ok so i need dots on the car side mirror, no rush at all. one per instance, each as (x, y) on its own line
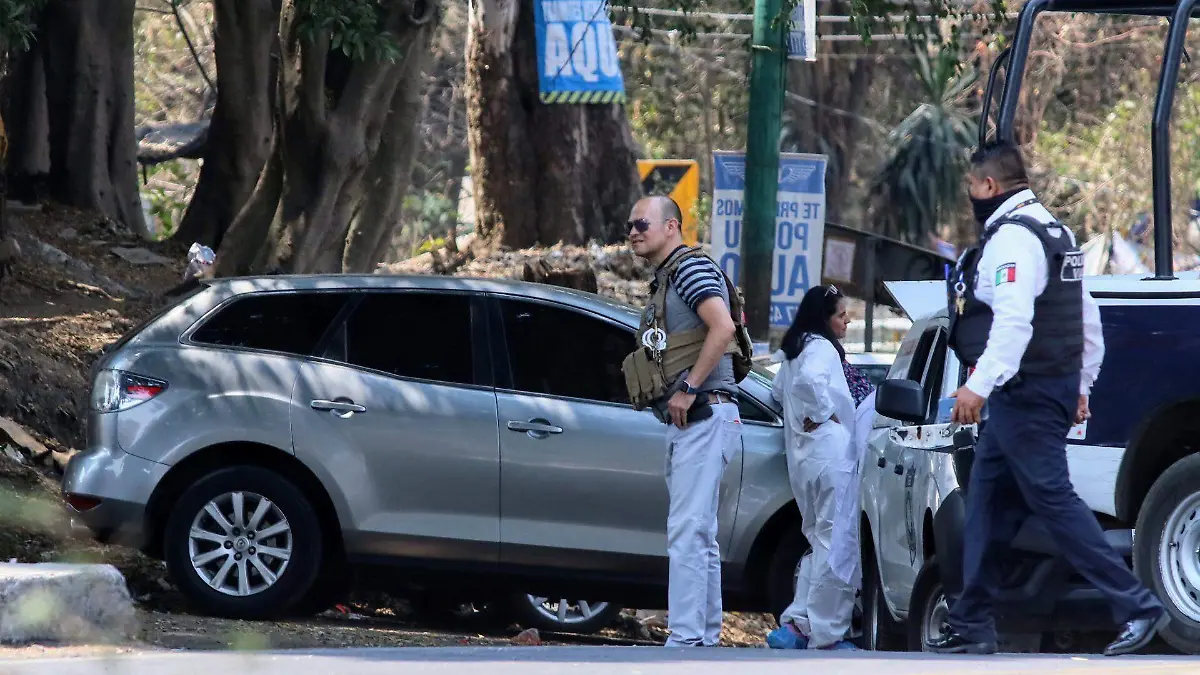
(902, 400)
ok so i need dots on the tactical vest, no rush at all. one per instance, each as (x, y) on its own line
(659, 358)
(1056, 347)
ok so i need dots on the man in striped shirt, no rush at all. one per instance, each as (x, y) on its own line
(697, 451)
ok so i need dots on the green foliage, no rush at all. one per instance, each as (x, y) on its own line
(921, 179)
(353, 26)
(17, 19)
(168, 190)
(1099, 169)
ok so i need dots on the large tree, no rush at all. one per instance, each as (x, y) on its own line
(825, 111)
(346, 102)
(71, 106)
(543, 173)
(245, 44)
(16, 33)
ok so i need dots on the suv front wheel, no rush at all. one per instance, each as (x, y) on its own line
(243, 542)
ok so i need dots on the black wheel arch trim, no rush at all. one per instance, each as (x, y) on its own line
(948, 532)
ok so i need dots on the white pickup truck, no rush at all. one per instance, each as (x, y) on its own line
(1134, 463)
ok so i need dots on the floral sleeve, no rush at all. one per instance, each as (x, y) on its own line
(860, 385)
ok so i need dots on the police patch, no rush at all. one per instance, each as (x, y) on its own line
(1006, 273)
(1072, 266)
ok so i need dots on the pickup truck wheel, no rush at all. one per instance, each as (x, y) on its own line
(243, 542)
(1165, 549)
(929, 608)
(881, 633)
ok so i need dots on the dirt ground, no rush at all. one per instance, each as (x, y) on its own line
(58, 308)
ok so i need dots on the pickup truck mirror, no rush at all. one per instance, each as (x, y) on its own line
(902, 400)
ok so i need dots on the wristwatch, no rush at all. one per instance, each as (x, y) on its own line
(687, 388)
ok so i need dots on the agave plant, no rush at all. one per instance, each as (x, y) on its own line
(921, 179)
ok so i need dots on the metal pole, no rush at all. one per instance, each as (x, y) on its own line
(1016, 70)
(762, 162)
(1160, 140)
(869, 291)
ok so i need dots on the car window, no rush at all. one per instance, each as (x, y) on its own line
(932, 382)
(876, 373)
(424, 336)
(557, 351)
(292, 323)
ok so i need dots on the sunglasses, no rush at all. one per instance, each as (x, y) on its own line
(639, 224)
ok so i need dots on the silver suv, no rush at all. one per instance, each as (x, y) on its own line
(266, 436)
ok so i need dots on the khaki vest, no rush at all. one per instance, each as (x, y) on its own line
(659, 357)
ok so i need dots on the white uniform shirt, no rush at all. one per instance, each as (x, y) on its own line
(1012, 273)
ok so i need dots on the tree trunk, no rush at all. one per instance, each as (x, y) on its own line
(88, 50)
(542, 173)
(239, 135)
(390, 172)
(333, 114)
(27, 123)
(835, 85)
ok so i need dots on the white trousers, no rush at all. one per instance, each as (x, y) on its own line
(823, 605)
(696, 460)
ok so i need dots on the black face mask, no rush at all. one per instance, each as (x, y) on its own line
(984, 208)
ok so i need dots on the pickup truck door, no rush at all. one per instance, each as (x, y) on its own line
(902, 474)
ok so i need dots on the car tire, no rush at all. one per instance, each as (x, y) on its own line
(530, 611)
(290, 526)
(1170, 513)
(928, 609)
(881, 633)
(781, 573)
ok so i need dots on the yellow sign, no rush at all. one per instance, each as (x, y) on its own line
(678, 179)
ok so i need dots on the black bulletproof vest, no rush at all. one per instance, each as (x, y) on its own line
(1056, 347)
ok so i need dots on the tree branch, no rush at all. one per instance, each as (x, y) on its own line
(191, 47)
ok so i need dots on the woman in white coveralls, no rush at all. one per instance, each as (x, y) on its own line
(822, 458)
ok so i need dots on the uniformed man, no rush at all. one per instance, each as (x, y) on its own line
(689, 327)
(1032, 336)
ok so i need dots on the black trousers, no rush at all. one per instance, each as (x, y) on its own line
(1021, 469)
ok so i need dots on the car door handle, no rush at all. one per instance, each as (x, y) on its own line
(537, 428)
(338, 406)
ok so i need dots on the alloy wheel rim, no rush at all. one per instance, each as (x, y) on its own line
(240, 544)
(564, 611)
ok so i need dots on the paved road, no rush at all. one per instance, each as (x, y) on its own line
(589, 661)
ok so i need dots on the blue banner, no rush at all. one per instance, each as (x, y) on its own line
(577, 54)
(799, 226)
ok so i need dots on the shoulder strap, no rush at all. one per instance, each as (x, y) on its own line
(663, 279)
(1035, 226)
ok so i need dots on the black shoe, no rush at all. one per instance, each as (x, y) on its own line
(953, 643)
(1137, 634)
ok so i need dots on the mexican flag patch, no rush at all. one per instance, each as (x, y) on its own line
(1006, 274)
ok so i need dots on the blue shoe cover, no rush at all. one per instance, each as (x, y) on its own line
(786, 638)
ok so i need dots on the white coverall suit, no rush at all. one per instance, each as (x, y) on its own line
(822, 470)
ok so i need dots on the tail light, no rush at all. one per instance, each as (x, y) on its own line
(81, 503)
(117, 390)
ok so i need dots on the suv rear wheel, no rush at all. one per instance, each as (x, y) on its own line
(560, 615)
(243, 542)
